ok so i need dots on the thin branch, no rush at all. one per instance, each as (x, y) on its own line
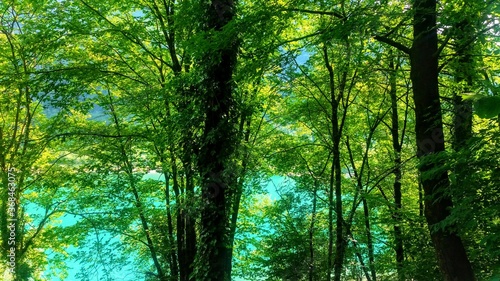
(300, 38)
(127, 35)
(325, 13)
(467, 44)
(91, 134)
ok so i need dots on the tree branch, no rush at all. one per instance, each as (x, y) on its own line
(393, 43)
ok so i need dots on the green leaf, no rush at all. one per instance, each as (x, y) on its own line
(487, 107)
(471, 96)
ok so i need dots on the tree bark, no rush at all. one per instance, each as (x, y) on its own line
(452, 258)
(218, 144)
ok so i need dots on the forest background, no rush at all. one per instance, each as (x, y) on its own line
(250, 140)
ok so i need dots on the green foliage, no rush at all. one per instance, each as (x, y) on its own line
(103, 107)
(475, 189)
(487, 107)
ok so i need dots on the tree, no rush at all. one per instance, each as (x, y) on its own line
(157, 125)
(451, 253)
(29, 160)
(218, 140)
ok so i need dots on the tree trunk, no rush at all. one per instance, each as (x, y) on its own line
(128, 167)
(339, 239)
(244, 131)
(186, 233)
(335, 183)
(463, 68)
(452, 258)
(336, 173)
(398, 232)
(218, 144)
(169, 235)
(369, 239)
(188, 223)
(330, 227)
(311, 232)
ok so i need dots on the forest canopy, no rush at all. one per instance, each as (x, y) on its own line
(219, 140)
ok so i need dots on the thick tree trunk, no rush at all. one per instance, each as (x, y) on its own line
(451, 254)
(218, 145)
